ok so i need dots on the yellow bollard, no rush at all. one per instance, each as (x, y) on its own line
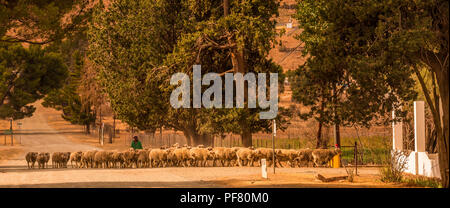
(335, 162)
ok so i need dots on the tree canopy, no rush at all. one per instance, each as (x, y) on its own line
(26, 75)
(373, 49)
(41, 22)
(138, 45)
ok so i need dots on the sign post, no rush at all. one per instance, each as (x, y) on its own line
(273, 143)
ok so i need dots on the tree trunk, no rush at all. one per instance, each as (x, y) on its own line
(319, 143)
(195, 139)
(188, 137)
(88, 128)
(226, 7)
(441, 124)
(206, 140)
(443, 136)
(338, 136)
(246, 138)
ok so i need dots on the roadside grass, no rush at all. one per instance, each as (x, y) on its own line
(422, 181)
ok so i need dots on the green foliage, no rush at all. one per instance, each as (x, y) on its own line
(373, 48)
(152, 39)
(249, 29)
(348, 55)
(71, 98)
(26, 75)
(128, 51)
(75, 109)
(41, 22)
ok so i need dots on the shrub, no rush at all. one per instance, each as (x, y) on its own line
(394, 167)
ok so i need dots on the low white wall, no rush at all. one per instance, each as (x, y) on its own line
(420, 163)
(411, 163)
(427, 166)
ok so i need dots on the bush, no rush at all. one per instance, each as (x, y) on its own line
(394, 167)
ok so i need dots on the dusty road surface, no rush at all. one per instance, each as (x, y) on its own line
(37, 136)
(193, 177)
(40, 135)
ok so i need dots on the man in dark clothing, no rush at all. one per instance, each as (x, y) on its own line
(136, 144)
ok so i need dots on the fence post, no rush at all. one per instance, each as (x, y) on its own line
(356, 158)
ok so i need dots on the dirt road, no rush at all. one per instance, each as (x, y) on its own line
(194, 177)
(39, 136)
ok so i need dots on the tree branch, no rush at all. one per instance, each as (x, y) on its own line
(433, 106)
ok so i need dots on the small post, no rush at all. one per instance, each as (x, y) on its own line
(102, 136)
(114, 126)
(264, 168)
(273, 144)
(161, 134)
(20, 135)
(356, 159)
(11, 130)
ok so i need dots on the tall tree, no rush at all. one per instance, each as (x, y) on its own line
(314, 92)
(75, 107)
(234, 36)
(75, 98)
(26, 75)
(125, 52)
(382, 44)
(41, 22)
(157, 38)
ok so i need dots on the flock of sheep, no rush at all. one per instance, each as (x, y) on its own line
(185, 156)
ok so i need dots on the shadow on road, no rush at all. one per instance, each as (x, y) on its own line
(136, 184)
(46, 133)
